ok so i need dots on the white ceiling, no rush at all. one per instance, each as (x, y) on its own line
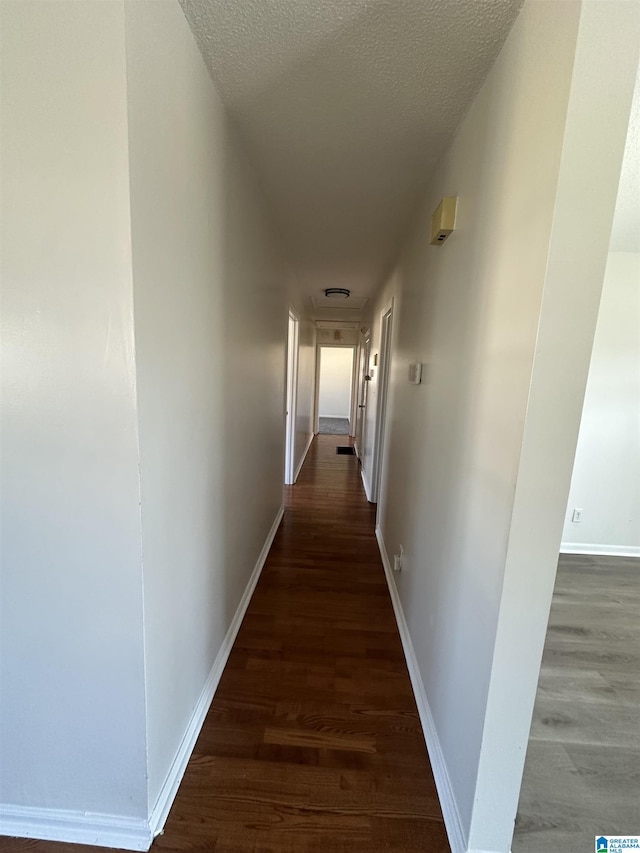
(625, 236)
(345, 106)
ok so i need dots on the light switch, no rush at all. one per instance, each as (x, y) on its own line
(415, 373)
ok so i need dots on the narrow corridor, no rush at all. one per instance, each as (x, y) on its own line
(312, 743)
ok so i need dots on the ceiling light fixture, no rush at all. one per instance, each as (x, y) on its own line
(337, 293)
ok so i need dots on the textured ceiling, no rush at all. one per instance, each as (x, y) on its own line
(345, 106)
(625, 236)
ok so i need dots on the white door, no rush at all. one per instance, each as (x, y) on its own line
(385, 360)
(363, 384)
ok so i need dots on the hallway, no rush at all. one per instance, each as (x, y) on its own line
(200, 197)
(312, 743)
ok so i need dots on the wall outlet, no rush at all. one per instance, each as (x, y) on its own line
(576, 518)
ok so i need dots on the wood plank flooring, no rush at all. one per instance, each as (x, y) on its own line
(582, 772)
(313, 742)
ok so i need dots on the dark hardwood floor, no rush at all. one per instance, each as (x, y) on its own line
(312, 743)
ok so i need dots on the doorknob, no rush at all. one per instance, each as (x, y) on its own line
(361, 405)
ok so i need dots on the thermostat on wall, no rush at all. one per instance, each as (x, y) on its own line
(415, 373)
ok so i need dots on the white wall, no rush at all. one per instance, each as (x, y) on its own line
(72, 692)
(305, 399)
(606, 474)
(144, 326)
(479, 456)
(334, 387)
(211, 322)
(344, 337)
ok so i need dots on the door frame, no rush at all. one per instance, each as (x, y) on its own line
(291, 396)
(386, 330)
(363, 358)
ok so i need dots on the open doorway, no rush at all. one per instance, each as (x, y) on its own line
(292, 384)
(335, 390)
(581, 776)
(581, 773)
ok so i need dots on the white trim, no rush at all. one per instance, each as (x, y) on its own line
(291, 394)
(362, 369)
(353, 406)
(448, 804)
(365, 484)
(337, 417)
(384, 375)
(169, 790)
(304, 456)
(126, 833)
(600, 550)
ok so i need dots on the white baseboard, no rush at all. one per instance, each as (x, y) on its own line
(160, 811)
(76, 827)
(304, 456)
(123, 832)
(367, 490)
(596, 550)
(448, 804)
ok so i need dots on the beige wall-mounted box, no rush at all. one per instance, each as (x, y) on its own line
(443, 220)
